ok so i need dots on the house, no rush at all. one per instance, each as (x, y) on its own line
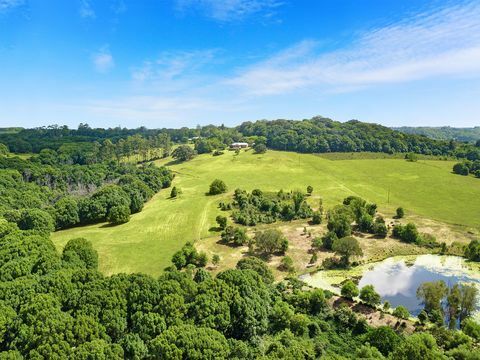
(239, 145)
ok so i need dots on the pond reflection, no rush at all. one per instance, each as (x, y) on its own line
(397, 281)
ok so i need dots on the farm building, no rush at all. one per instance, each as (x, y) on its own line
(239, 145)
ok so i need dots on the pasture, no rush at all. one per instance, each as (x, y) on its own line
(426, 189)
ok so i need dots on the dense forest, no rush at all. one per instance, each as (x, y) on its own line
(52, 191)
(316, 135)
(444, 132)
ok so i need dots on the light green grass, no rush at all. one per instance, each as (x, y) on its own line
(425, 188)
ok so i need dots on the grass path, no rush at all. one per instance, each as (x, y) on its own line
(426, 188)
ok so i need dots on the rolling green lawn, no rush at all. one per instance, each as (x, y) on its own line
(426, 188)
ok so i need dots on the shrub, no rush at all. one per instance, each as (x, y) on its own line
(401, 312)
(369, 295)
(400, 213)
(349, 290)
(286, 264)
(217, 187)
(118, 214)
(317, 218)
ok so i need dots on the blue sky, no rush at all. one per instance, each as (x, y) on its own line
(172, 63)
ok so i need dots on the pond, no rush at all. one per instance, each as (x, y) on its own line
(397, 279)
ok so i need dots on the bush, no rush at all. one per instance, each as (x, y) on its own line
(286, 264)
(472, 251)
(221, 221)
(369, 295)
(118, 214)
(317, 218)
(400, 213)
(260, 148)
(401, 312)
(329, 239)
(257, 265)
(217, 187)
(271, 241)
(349, 290)
(461, 169)
(174, 192)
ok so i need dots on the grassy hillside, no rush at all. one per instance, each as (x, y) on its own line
(426, 188)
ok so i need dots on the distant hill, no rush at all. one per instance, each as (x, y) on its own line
(444, 132)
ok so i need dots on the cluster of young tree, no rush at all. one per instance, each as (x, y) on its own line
(409, 233)
(467, 167)
(47, 195)
(357, 211)
(59, 306)
(442, 304)
(261, 207)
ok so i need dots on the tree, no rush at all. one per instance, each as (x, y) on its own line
(384, 339)
(183, 153)
(329, 239)
(418, 346)
(3, 149)
(468, 296)
(472, 329)
(257, 265)
(309, 190)
(472, 251)
(271, 241)
(370, 296)
(347, 247)
(174, 192)
(118, 214)
(431, 294)
(221, 221)
(217, 187)
(340, 225)
(401, 312)
(66, 212)
(349, 290)
(234, 235)
(400, 213)
(317, 218)
(412, 157)
(80, 252)
(260, 148)
(215, 259)
(461, 169)
(31, 219)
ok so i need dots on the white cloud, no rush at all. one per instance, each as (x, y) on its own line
(103, 60)
(173, 65)
(441, 43)
(229, 10)
(6, 5)
(86, 11)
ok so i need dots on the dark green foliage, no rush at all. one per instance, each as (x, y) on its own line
(270, 241)
(412, 157)
(118, 214)
(328, 239)
(234, 235)
(31, 219)
(369, 295)
(418, 346)
(257, 265)
(349, 290)
(400, 213)
(259, 207)
(79, 252)
(183, 153)
(407, 233)
(217, 187)
(461, 169)
(384, 339)
(66, 212)
(347, 247)
(317, 218)
(472, 251)
(188, 255)
(173, 192)
(221, 221)
(431, 294)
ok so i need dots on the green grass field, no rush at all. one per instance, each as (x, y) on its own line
(426, 188)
